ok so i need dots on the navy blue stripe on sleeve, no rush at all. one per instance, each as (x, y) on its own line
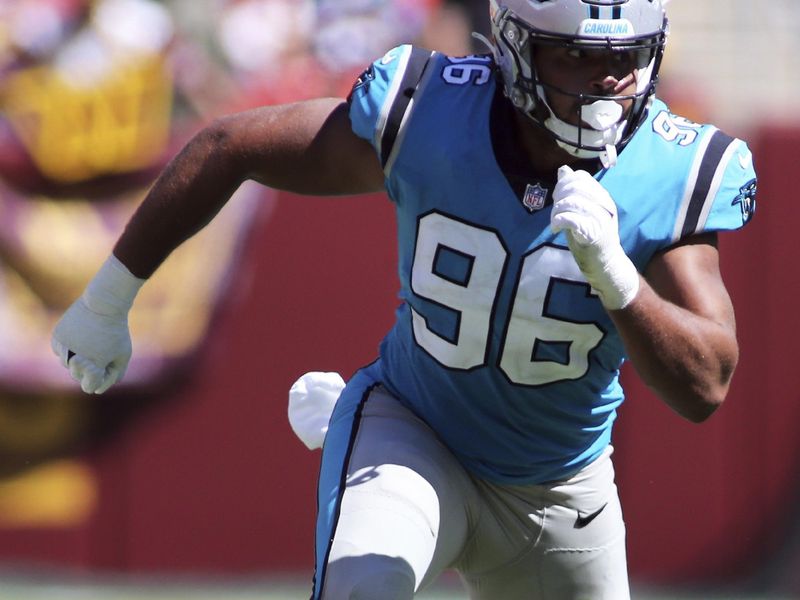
(410, 79)
(709, 167)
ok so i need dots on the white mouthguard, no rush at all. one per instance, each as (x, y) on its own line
(601, 114)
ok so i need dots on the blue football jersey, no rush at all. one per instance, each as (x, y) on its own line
(500, 344)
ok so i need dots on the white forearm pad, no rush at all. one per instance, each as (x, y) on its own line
(586, 211)
(113, 289)
(608, 270)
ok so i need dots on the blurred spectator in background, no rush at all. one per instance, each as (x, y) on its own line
(474, 11)
(284, 50)
(91, 106)
(266, 46)
(350, 32)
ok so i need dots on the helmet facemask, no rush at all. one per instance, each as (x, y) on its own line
(603, 129)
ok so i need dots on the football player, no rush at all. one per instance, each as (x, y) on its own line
(554, 219)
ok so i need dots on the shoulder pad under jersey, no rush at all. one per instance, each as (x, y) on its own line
(383, 95)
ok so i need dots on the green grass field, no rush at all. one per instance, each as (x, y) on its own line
(49, 586)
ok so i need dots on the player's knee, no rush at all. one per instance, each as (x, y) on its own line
(369, 578)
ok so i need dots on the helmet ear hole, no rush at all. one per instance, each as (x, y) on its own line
(517, 98)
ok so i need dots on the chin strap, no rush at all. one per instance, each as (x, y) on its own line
(609, 157)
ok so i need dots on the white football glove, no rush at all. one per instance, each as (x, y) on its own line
(92, 338)
(311, 402)
(585, 210)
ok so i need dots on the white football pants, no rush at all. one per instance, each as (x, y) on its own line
(397, 509)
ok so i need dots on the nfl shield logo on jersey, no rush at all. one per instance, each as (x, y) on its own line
(535, 197)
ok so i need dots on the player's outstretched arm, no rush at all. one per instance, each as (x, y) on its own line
(680, 330)
(307, 147)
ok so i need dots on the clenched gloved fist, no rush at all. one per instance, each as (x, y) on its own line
(92, 338)
(585, 210)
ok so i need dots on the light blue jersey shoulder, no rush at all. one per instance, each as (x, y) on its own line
(500, 344)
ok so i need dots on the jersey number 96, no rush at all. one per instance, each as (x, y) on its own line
(474, 300)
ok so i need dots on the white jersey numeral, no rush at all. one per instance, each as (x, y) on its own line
(529, 323)
(672, 128)
(467, 69)
(474, 299)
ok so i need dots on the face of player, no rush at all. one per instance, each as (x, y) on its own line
(578, 71)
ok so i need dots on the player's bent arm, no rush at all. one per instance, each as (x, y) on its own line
(307, 147)
(680, 330)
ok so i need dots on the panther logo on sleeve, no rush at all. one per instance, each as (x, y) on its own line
(363, 81)
(747, 200)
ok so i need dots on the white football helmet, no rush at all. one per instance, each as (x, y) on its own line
(637, 26)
